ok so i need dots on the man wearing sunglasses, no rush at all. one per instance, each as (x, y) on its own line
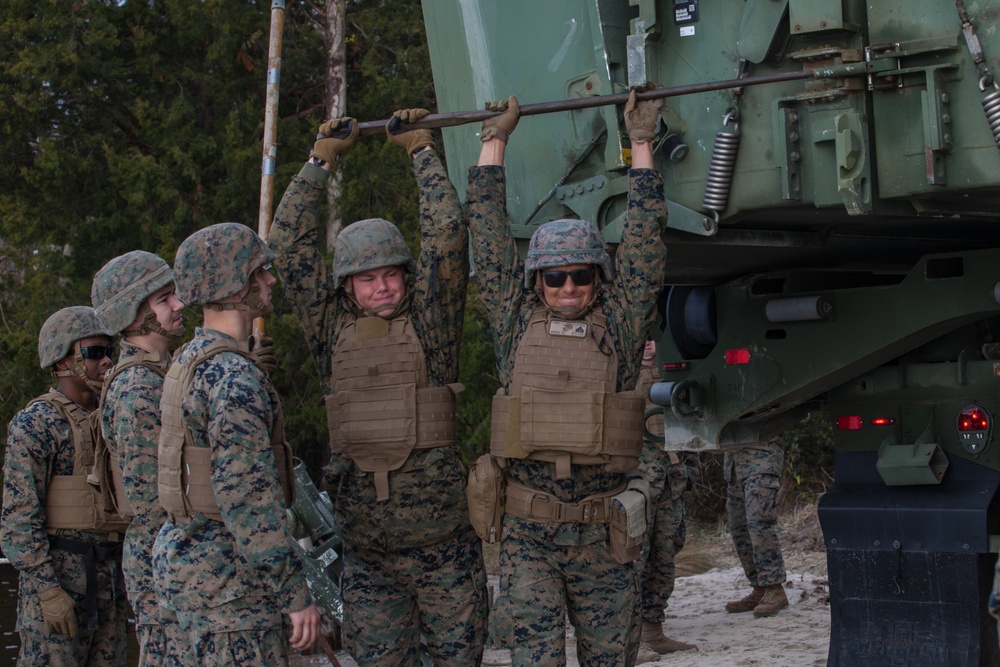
(223, 561)
(56, 528)
(385, 331)
(133, 295)
(567, 424)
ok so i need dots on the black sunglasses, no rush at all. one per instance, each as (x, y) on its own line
(97, 351)
(580, 277)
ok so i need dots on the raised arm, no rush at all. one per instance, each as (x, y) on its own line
(297, 238)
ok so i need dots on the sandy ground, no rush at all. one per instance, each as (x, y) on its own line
(711, 576)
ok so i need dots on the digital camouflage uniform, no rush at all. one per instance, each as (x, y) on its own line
(669, 475)
(412, 563)
(231, 582)
(994, 602)
(753, 478)
(40, 445)
(131, 425)
(550, 569)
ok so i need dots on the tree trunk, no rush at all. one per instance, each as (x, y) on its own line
(336, 93)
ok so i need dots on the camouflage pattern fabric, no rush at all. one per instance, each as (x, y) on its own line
(668, 474)
(39, 445)
(753, 476)
(627, 302)
(542, 582)
(453, 607)
(130, 423)
(427, 504)
(994, 601)
(240, 573)
(256, 637)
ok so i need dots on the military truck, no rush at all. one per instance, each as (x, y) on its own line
(833, 175)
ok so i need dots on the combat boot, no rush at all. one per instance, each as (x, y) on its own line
(654, 639)
(774, 600)
(749, 603)
(646, 655)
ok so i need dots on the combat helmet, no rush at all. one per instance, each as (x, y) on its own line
(63, 328)
(216, 262)
(121, 288)
(369, 244)
(563, 242)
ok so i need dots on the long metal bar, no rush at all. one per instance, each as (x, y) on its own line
(266, 211)
(453, 118)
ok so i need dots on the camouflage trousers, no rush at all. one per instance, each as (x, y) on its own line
(753, 478)
(103, 646)
(666, 534)
(245, 632)
(541, 583)
(994, 601)
(163, 644)
(391, 599)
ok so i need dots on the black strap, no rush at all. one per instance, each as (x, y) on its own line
(92, 554)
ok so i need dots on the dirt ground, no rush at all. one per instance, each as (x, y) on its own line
(709, 575)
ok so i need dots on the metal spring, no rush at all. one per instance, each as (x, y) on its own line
(720, 171)
(991, 105)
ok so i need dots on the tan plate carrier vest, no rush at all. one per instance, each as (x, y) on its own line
(562, 406)
(83, 500)
(185, 470)
(382, 407)
(106, 457)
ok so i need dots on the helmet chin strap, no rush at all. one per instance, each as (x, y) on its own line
(79, 369)
(250, 301)
(151, 325)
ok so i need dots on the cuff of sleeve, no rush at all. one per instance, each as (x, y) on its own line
(312, 172)
(42, 577)
(299, 598)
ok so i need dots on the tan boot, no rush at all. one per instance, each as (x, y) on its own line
(774, 600)
(749, 603)
(646, 655)
(654, 639)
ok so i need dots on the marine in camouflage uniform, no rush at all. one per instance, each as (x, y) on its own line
(223, 560)
(669, 475)
(549, 569)
(133, 295)
(412, 564)
(71, 607)
(994, 601)
(753, 478)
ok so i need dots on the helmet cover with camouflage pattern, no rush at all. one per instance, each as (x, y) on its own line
(63, 328)
(216, 262)
(369, 244)
(563, 242)
(123, 284)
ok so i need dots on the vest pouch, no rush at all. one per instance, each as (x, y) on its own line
(624, 428)
(627, 527)
(485, 493)
(560, 420)
(378, 427)
(69, 503)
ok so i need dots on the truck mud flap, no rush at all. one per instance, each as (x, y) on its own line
(909, 567)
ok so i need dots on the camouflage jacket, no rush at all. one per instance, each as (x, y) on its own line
(39, 445)
(627, 303)
(130, 423)
(201, 563)
(427, 495)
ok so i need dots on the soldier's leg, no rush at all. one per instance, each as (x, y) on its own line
(602, 601)
(41, 647)
(762, 527)
(673, 525)
(450, 584)
(736, 510)
(109, 642)
(531, 603)
(657, 570)
(245, 632)
(381, 620)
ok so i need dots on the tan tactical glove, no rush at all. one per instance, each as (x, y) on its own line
(642, 117)
(59, 611)
(411, 140)
(263, 355)
(335, 137)
(501, 126)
